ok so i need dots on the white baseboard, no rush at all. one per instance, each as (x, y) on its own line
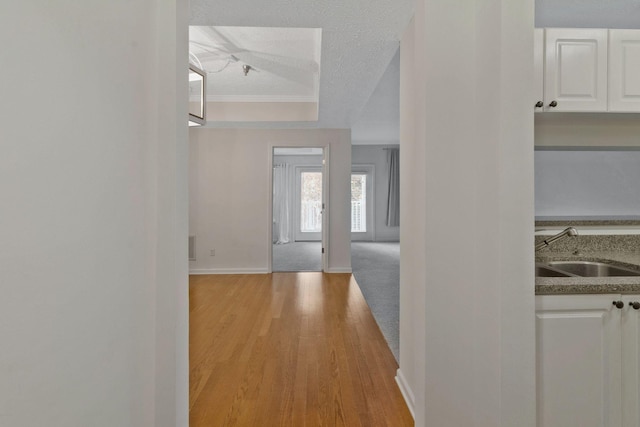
(338, 270)
(406, 392)
(197, 271)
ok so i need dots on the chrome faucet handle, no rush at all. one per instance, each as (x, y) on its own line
(569, 231)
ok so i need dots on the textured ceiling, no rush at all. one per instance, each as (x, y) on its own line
(359, 39)
(379, 122)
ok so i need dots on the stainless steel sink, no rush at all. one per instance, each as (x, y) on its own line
(543, 270)
(592, 269)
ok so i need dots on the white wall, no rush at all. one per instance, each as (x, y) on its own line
(587, 130)
(262, 111)
(170, 156)
(412, 227)
(587, 183)
(375, 155)
(91, 272)
(471, 297)
(379, 120)
(587, 13)
(230, 191)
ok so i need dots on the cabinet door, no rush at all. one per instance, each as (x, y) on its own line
(578, 361)
(575, 69)
(624, 70)
(631, 363)
(538, 72)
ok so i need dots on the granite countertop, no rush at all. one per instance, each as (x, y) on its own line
(591, 285)
(587, 221)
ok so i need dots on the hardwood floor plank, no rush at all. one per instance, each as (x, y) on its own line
(288, 349)
(301, 382)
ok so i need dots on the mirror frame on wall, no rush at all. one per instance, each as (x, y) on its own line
(195, 119)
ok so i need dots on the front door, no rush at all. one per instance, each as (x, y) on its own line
(309, 207)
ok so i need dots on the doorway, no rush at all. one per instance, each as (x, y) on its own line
(298, 200)
(375, 239)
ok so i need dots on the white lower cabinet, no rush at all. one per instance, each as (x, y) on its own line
(631, 361)
(587, 361)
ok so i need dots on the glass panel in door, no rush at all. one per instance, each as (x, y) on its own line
(310, 219)
(358, 203)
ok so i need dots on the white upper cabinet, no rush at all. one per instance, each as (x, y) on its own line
(575, 77)
(624, 70)
(538, 64)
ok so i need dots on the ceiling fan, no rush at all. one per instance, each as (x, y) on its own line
(216, 51)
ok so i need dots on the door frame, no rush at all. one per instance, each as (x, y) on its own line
(325, 200)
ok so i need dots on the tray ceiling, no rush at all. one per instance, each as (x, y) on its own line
(285, 62)
(359, 39)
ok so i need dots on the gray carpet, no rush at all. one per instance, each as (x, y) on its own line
(297, 256)
(376, 268)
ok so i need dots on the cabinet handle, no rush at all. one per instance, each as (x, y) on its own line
(619, 304)
(539, 104)
(553, 104)
(635, 305)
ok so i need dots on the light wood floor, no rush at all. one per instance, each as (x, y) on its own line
(288, 349)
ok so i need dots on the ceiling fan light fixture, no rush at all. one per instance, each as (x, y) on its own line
(246, 68)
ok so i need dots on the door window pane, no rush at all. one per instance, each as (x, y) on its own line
(311, 202)
(359, 203)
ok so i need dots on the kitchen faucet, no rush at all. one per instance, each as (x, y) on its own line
(569, 231)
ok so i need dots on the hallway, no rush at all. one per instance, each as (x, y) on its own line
(288, 349)
(376, 269)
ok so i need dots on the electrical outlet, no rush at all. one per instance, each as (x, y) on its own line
(212, 252)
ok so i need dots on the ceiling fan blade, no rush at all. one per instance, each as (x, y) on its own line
(205, 52)
(222, 41)
(294, 74)
(213, 56)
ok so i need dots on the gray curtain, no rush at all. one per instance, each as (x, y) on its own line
(393, 194)
(281, 204)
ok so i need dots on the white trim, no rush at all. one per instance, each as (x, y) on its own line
(270, 215)
(403, 385)
(297, 151)
(338, 270)
(262, 98)
(326, 218)
(199, 271)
